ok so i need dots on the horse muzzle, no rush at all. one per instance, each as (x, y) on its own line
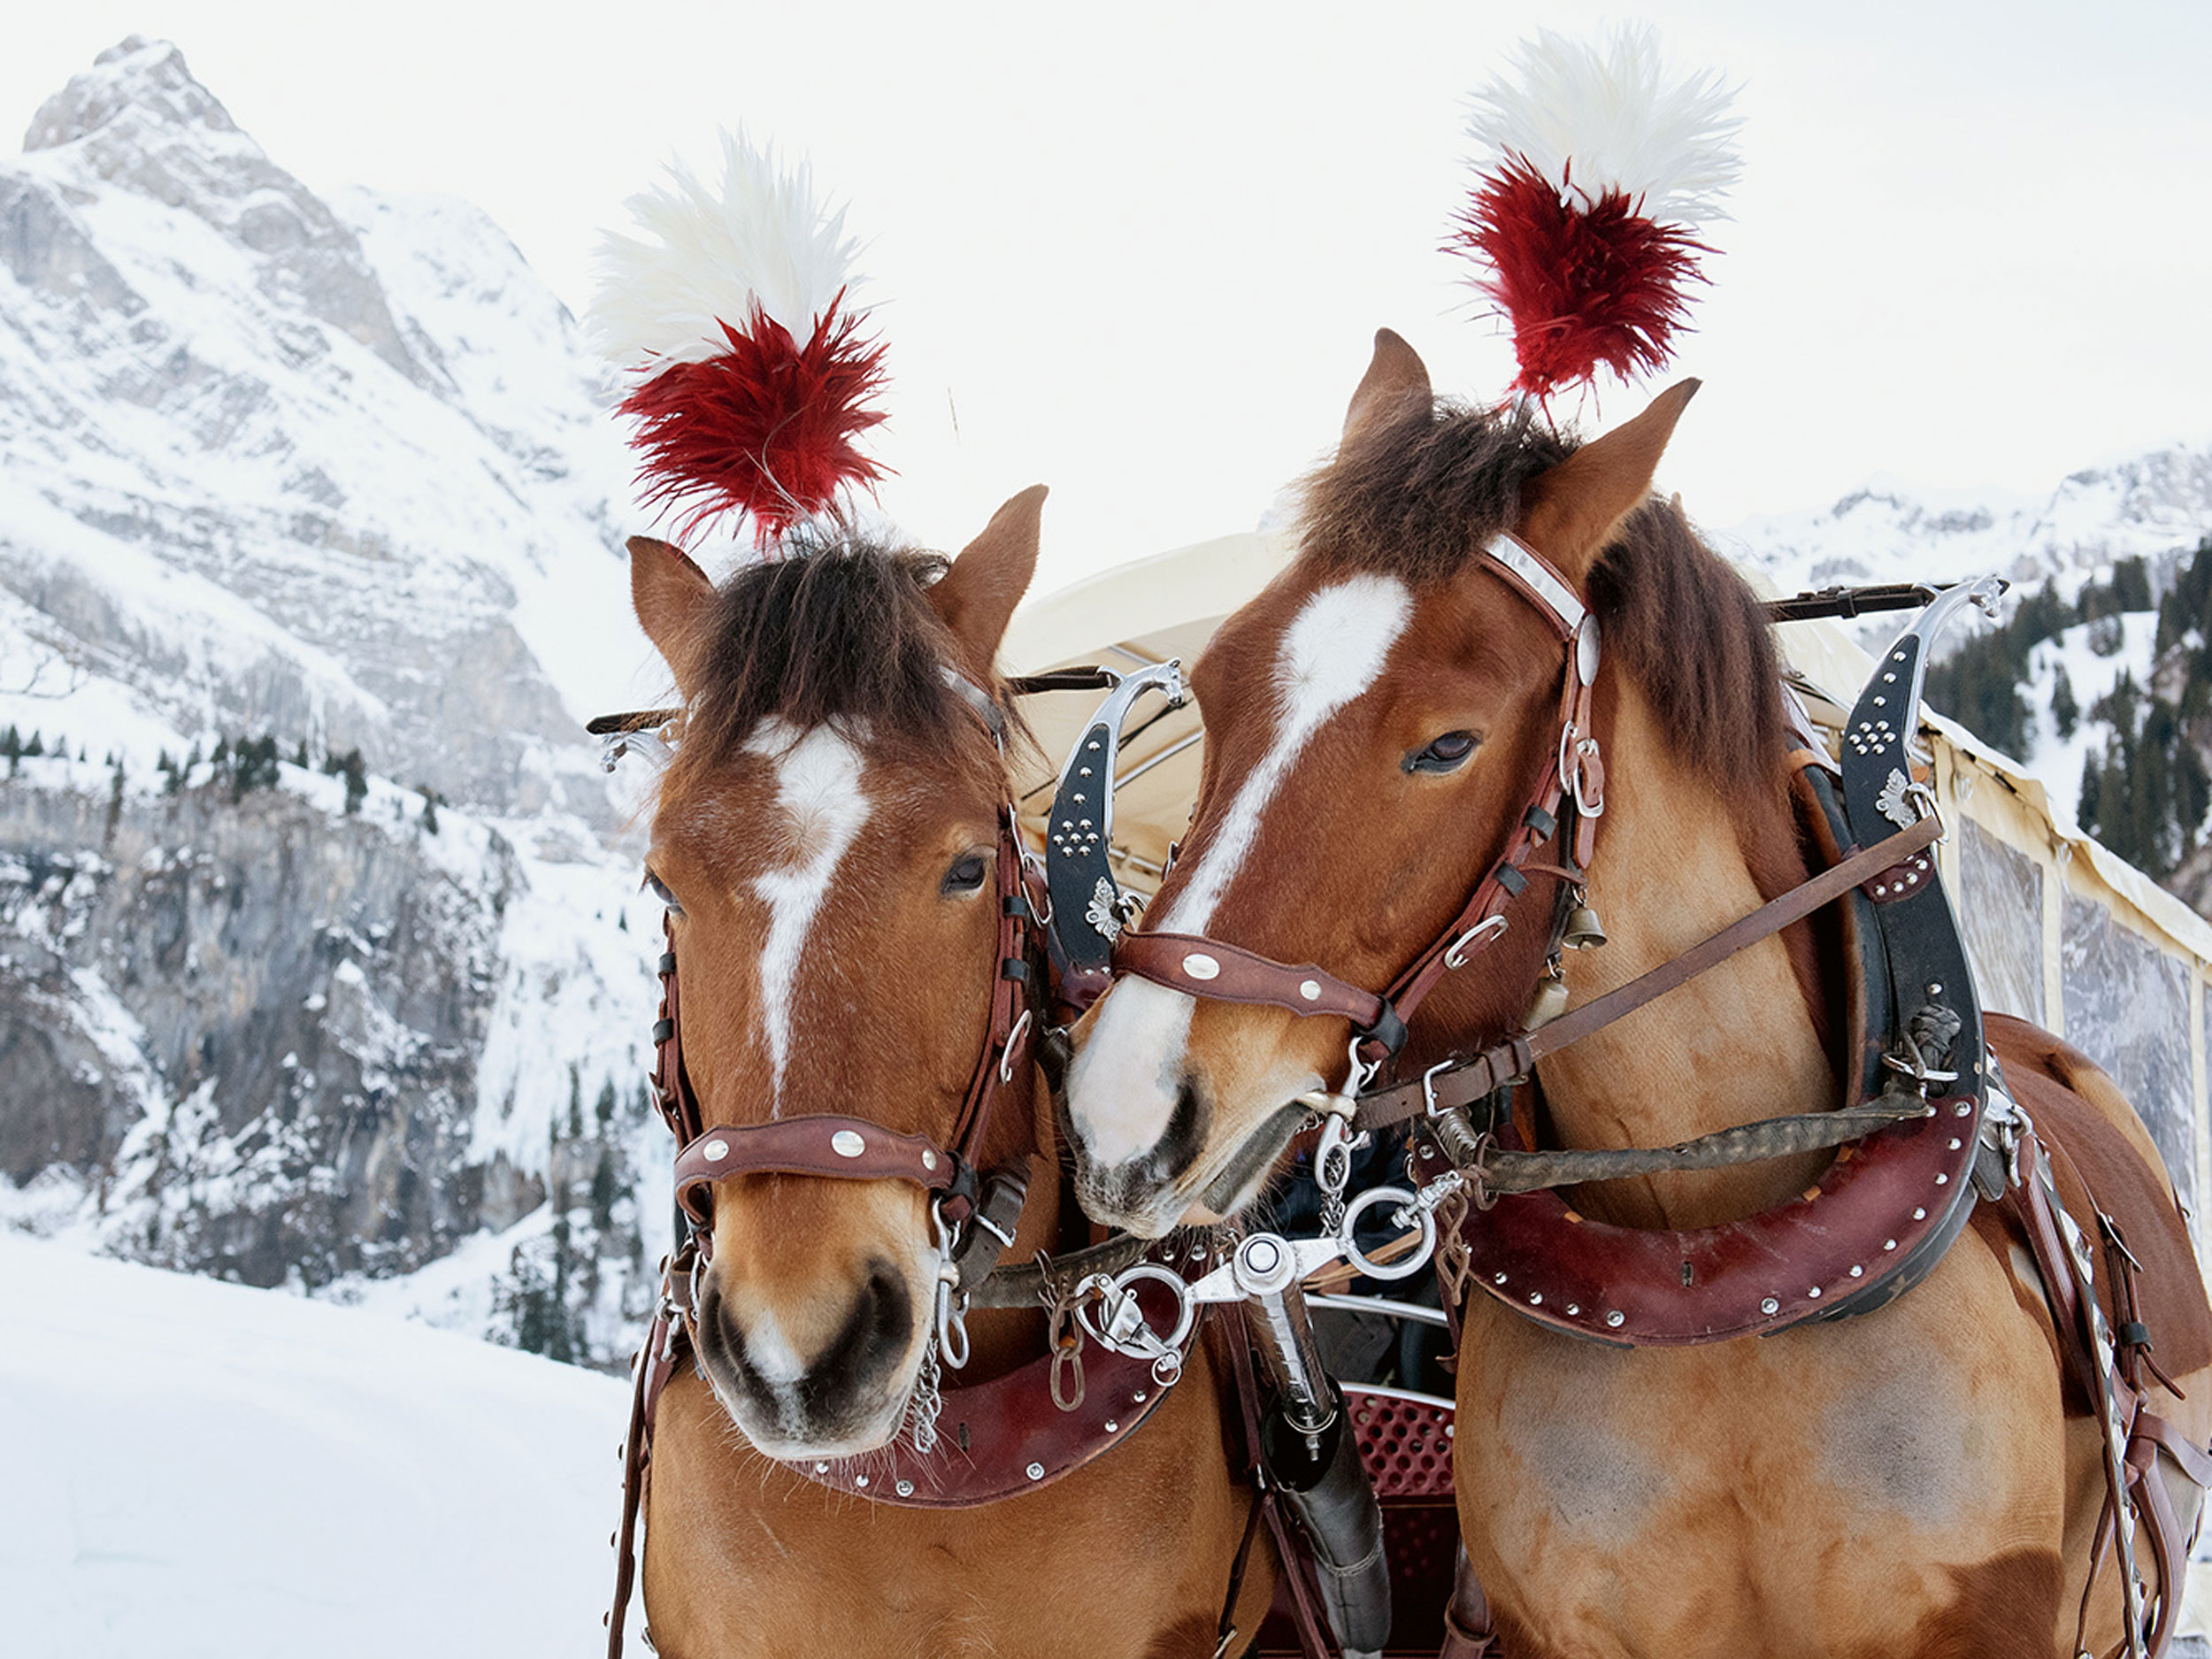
(845, 1392)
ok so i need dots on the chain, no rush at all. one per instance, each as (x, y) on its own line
(1063, 1335)
(925, 1402)
(1455, 1259)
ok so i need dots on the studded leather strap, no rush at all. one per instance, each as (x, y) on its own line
(843, 1149)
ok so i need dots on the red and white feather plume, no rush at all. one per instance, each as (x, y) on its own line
(1597, 170)
(754, 374)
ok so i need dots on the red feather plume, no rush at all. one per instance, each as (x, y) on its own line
(1585, 281)
(765, 428)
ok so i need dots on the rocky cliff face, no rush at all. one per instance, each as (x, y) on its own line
(259, 1020)
(329, 482)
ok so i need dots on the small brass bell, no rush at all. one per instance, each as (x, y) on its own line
(1550, 1001)
(1583, 931)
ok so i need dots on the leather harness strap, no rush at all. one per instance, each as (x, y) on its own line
(1463, 1082)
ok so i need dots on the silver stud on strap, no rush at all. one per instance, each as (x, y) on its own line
(717, 1150)
(1199, 965)
(847, 1143)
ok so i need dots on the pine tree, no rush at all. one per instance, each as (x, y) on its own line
(355, 770)
(604, 1192)
(2065, 711)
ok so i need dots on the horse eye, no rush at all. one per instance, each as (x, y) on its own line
(966, 874)
(660, 891)
(1444, 754)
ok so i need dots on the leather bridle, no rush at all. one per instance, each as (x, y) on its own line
(841, 1146)
(1563, 806)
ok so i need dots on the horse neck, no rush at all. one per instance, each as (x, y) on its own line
(1675, 864)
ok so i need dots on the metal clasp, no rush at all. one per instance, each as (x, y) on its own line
(1488, 927)
(952, 1302)
(1013, 1042)
(1428, 1086)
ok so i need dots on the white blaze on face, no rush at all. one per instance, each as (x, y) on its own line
(1123, 1085)
(818, 792)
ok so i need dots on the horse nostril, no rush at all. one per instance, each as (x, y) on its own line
(1178, 1146)
(878, 1328)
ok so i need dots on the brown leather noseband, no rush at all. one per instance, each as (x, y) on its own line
(1572, 783)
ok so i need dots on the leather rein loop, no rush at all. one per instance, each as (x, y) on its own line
(1570, 795)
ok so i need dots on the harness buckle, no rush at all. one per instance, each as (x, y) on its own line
(1428, 1086)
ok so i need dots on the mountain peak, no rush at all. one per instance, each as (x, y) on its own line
(136, 75)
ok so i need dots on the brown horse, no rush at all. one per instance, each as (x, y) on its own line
(1914, 1480)
(826, 838)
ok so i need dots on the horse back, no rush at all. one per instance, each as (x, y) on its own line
(2104, 1160)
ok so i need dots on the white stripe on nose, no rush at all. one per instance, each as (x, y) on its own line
(1122, 1087)
(818, 789)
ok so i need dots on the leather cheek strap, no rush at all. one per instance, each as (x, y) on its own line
(823, 1144)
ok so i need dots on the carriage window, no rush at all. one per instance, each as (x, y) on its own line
(2127, 1008)
(2000, 913)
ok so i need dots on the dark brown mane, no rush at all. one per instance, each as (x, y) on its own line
(1416, 495)
(1413, 496)
(836, 631)
(1690, 632)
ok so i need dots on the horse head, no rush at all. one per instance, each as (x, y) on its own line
(827, 840)
(1374, 720)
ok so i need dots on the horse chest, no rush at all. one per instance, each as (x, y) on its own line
(1610, 1492)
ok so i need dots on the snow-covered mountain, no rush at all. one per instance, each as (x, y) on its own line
(2154, 510)
(2149, 507)
(315, 958)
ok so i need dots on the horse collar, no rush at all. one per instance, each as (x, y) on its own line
(1887, 1210)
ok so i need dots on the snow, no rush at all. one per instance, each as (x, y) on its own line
(196, 1468)
(2093, 674)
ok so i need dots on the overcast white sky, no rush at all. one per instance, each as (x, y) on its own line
(1137, 253)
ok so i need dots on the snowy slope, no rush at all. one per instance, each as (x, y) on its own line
(194, 1469)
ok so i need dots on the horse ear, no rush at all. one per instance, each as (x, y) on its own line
(1396, 380)
(977, 596)
(671, 596)
(1571, 510)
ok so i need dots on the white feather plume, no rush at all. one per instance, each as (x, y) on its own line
(1620, 119)
(762, 236)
